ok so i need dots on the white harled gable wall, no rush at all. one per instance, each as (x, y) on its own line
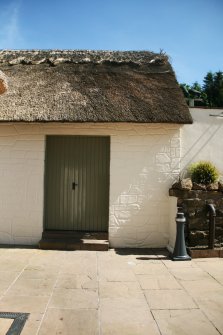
(203, 140)
(144, 162)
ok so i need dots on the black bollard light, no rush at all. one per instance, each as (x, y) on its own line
(180, 251)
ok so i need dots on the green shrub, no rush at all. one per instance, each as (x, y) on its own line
(203, 172)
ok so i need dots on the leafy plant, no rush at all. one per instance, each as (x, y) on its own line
(203, 172)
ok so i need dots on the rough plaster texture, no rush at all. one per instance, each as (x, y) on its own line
(202, 140)
(145, 159)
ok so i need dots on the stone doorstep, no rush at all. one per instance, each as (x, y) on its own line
(54, 244)
(67, 234)
(68, 240)
(205, 253)
(72, 244)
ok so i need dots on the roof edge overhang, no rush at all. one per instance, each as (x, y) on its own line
(94, 122)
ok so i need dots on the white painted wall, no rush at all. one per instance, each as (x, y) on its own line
(145, 160)
(203, 140)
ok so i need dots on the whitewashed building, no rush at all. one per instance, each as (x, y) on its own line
(89, 142)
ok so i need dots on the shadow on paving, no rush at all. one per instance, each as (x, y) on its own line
(144, 253)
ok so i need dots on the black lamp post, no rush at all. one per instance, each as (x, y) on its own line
(180, 251)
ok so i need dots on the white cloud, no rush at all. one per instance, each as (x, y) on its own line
(10, 34)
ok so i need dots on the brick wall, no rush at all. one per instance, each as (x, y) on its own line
(145, 160)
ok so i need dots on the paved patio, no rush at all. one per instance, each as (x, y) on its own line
(108, 293)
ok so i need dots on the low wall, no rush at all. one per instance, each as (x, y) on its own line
(194, 205)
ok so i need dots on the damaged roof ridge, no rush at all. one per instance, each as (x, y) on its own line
(54, 57)
(131, 86)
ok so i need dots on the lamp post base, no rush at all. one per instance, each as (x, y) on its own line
(180, 258)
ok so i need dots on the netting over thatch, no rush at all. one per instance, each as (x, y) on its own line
(90, 86)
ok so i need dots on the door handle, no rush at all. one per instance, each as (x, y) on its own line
(74, 185)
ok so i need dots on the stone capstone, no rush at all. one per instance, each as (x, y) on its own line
(187, 184)
(197, 186)
(212, 187)
(184, 184)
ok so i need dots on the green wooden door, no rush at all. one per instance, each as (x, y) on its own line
(77, 183)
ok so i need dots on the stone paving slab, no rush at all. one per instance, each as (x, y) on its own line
(70, 322)
(126, 316)
(73, 281)
(180, 322)
(169, 299)
(158, 282)
(33, 323)
(211, 303)
(127, 292)
(23, 304)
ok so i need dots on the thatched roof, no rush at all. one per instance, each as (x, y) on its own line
(89, 86)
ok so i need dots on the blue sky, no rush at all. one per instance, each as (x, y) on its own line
(190, 32)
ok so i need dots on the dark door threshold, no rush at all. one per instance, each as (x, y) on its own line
(74, 240)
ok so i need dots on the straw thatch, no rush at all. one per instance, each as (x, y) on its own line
(3, 83)
(89, 86)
